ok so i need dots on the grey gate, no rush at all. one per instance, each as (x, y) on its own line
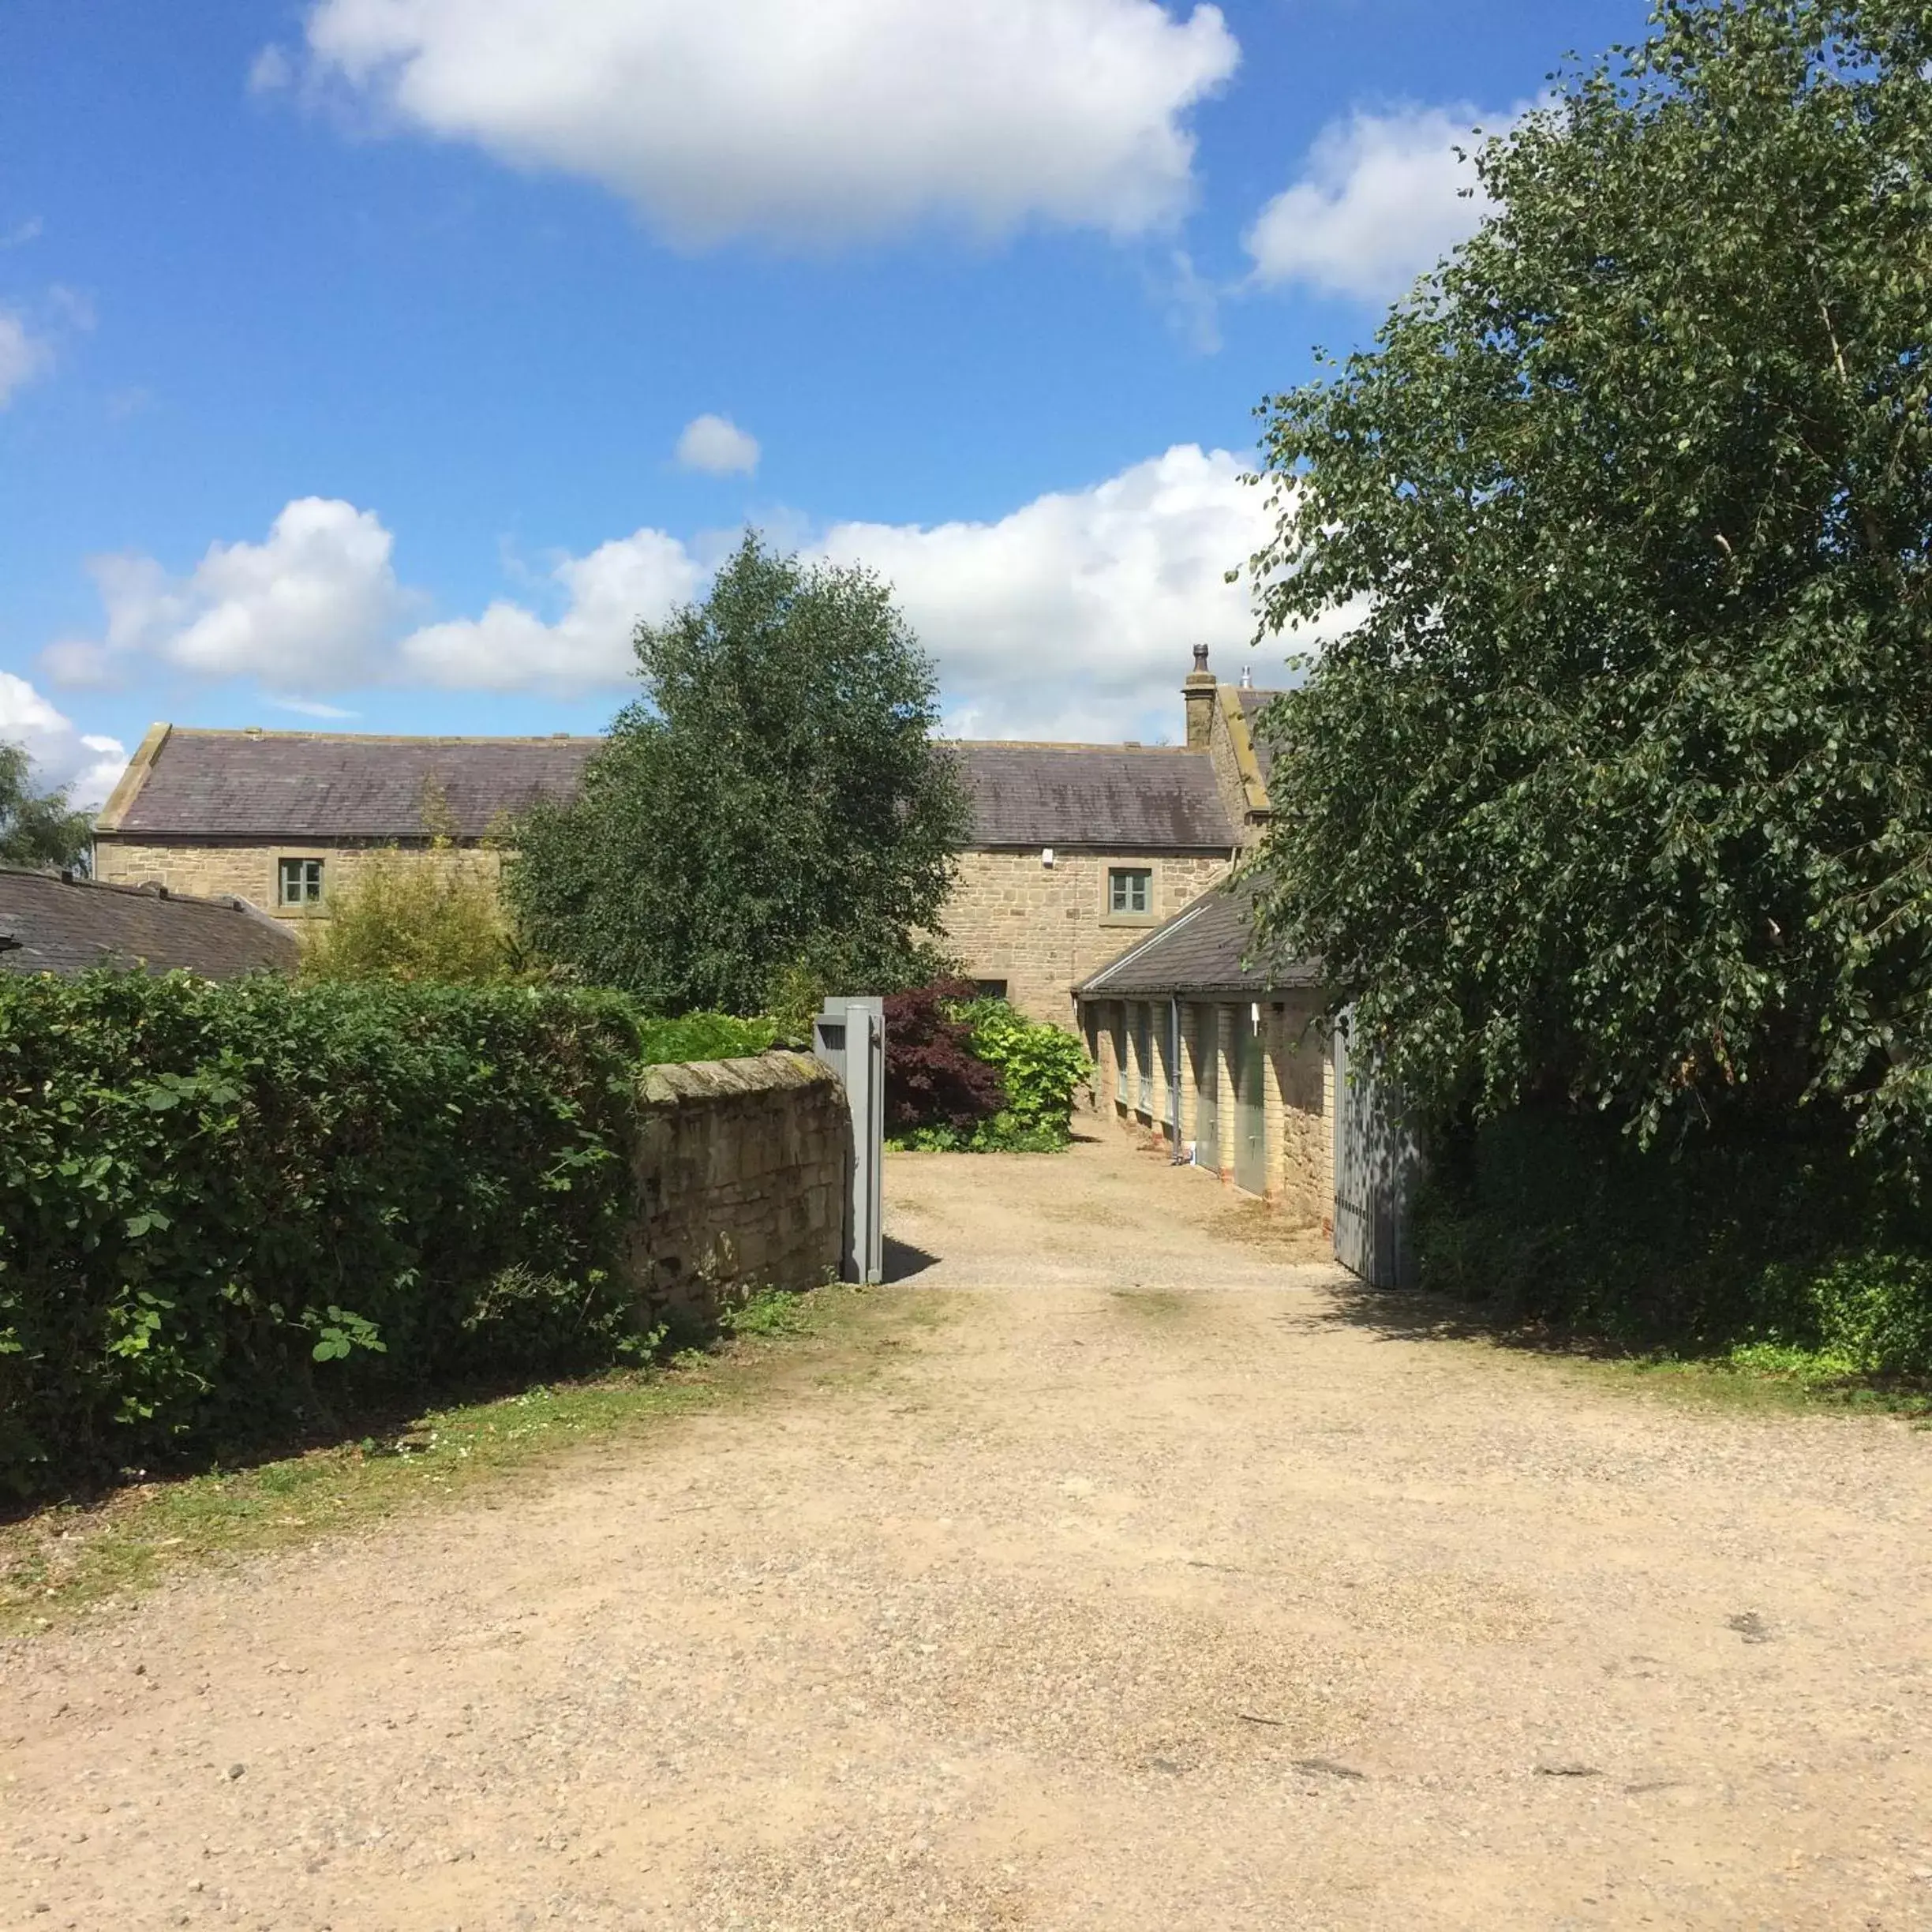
(849, 1037)
(1378, 1161)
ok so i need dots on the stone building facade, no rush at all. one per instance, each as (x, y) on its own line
(1078, 850)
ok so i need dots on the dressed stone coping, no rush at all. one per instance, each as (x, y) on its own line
(697, 1080)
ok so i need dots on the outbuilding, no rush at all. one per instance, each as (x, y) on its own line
(61, 923)
(1227, 1062)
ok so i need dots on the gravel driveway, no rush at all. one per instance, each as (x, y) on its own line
(1136, 1573)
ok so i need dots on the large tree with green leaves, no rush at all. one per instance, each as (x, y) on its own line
(37, 829)
(1621, 790)
(772, 811)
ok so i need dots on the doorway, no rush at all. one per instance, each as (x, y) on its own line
(1207, 1088)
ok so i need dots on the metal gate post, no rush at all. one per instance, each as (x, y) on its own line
(849, 1037)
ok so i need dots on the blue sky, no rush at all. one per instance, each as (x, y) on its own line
(347, 349)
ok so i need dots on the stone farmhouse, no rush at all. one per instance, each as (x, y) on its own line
(1086, 861)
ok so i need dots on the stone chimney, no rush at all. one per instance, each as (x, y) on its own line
(1198, 694)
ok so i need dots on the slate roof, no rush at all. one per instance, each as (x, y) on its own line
(62, 925)
(311, 785)
(1032, 796)
(317, 785)
(1199, 951)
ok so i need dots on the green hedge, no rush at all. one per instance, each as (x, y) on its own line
(228, 1209)
(1750, 1234)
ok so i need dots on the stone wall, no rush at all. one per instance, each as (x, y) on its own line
(1042, 929)
(741, 1177)
(247, 868)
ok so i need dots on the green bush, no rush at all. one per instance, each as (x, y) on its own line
(227, 1209)
(1745, 1237)
(1042, 1067)
(414, 916)
(702, 1036)
(1039, 1068)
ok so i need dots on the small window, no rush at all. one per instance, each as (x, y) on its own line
(1130, 890)
(990, 989)
(300, 881)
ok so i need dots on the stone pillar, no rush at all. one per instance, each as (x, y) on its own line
(1224, 1076)
(1130, 1019)
(1275, 1045)
(1197, 695)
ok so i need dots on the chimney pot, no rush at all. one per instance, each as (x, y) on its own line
(1197, 694)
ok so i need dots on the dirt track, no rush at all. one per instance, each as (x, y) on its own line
(1152, 1579)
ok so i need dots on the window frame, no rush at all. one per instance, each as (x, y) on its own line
(306, 870)
(1123, 885)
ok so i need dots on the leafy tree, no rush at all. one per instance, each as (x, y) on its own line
(773, 810)
(1619, 793)
(37, 829)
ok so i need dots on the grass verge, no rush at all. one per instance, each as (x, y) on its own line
(67, 1559)
(1768, 1375)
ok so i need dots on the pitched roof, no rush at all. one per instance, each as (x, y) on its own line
(1125, 798)
(312, 785)
(332, 784)
(1201, 949)
(59, 924)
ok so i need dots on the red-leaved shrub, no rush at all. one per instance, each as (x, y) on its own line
(932, 1077)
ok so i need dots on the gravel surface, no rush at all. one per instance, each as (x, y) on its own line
(1136, 1572)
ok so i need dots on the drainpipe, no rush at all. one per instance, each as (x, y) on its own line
(1174, 1071)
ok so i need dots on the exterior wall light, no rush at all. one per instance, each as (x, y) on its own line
(1046, 857)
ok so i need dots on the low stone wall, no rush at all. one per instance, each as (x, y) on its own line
(741, 1182)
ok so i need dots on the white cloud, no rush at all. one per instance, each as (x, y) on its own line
(807, 124)
(272, 72)
(1380, 200)
(310, 707)
(23, 355)
(1075, 615)
(308, 609)
(716, 445)
(61, 754)
(509, 648)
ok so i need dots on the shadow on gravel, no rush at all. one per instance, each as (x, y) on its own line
(1415, 1314)
(903, 1260)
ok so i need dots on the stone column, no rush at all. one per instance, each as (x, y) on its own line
(1224, 1076)
(1275, 1045)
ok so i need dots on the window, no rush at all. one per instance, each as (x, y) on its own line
(1130, 891)
(299, 881)
(990, 989)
